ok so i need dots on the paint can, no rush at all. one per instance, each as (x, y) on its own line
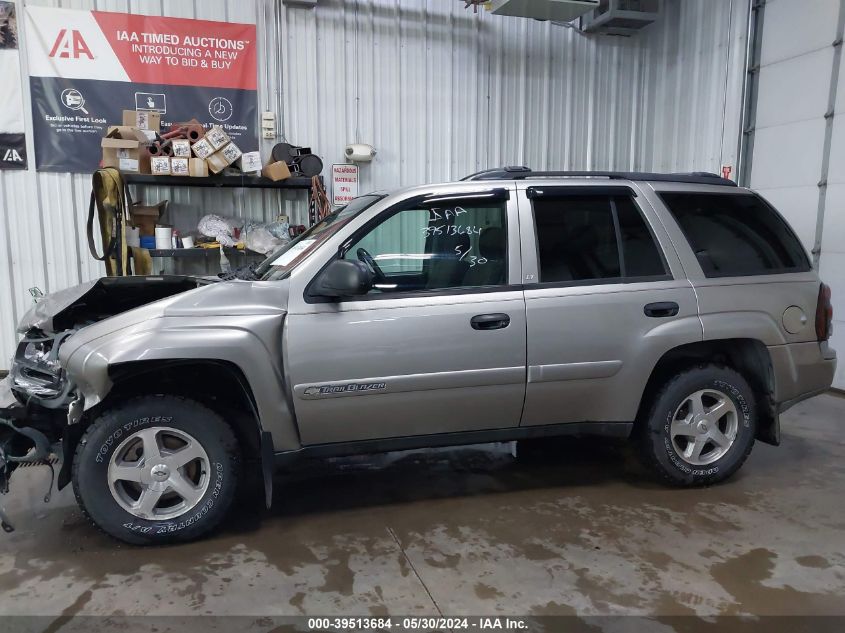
(164, 238)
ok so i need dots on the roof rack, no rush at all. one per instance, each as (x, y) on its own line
(520, 172)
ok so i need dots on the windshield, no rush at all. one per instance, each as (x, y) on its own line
(282, 261)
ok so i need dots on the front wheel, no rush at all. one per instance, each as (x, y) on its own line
(156, 470)
(700, 427)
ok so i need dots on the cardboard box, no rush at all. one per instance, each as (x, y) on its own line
(222, 158)
(202, 148)
(144, 137)
(217, 137)
(142, 119)
(160, 165)
(197, 167)
(276, 171)
(149, 135)
(250, 162)
(145, 217)
(181, 148)
(179, 166)
(125, 149)
(232, 152)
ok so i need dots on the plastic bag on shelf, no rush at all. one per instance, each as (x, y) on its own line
(221, 228)
(280, 230)
(261, 240)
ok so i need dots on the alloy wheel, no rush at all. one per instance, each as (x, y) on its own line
(704, 427)
(159, 473)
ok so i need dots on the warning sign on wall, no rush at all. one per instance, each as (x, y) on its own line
(344, 184)
(86, 67)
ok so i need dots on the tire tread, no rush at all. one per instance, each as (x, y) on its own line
(230, 445)
(648, 455)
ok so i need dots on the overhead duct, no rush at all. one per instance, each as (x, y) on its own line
(556, 10)
(620, 17)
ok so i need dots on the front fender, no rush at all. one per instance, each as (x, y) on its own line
(251, 343)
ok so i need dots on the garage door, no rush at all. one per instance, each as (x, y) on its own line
(798, 69)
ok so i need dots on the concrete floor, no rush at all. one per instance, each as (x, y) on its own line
(471, 531)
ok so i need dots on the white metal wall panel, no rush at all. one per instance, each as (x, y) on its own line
(795, 89)
(796, 61)
(797, 27)
(439, 91)
(795, 75)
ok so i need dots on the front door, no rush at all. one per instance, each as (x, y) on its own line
(438, 346)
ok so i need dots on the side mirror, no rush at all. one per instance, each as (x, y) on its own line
(343, 278)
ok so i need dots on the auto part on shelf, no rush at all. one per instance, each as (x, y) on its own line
(301, 160)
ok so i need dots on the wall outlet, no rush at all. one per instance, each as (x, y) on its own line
(268, 125)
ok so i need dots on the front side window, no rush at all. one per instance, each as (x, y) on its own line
(736, 234)
(433, 247)
(584, 238)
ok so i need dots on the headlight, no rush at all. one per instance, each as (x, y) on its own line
(36, 370)
(39, 354)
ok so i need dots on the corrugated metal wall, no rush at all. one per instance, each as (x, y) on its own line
(796, 77)
(439, 92)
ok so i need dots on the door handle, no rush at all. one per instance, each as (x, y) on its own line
(661, 309)
(495, 321)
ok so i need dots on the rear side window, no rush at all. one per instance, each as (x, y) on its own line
(594, 238)
(736, 234)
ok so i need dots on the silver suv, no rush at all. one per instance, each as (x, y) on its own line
(679, 310)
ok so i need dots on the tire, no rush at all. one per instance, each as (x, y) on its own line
(186, 492)
(677, 438)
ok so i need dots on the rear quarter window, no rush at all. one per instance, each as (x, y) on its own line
(734, 234)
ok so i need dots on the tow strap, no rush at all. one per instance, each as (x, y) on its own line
(109, 194)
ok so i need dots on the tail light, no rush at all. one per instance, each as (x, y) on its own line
(824, 314)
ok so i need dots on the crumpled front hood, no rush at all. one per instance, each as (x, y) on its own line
(41, 314)
(101, 299)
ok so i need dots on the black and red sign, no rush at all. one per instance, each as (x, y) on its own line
(86, 67)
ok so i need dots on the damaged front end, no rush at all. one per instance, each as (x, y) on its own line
(37, 402)
(40, 405)
(36, 373)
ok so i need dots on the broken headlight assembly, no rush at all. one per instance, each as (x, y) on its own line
(36, 372)
(33, 400)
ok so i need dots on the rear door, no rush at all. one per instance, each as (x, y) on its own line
(438, 346)
(606, 297)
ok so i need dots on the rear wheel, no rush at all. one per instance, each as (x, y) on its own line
(701, 426)
(156, 470)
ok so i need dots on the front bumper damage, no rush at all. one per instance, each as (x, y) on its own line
(37, 402)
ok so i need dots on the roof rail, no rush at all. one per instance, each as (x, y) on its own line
(521, 172)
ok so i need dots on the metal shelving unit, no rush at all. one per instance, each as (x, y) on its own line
(197, 252)
(214, 181)
(246, 182)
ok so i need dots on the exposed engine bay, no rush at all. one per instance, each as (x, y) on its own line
(39, 403)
